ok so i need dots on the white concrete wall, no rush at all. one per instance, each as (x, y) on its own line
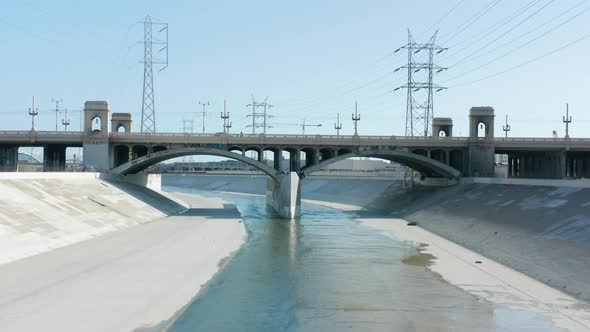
(44, 211)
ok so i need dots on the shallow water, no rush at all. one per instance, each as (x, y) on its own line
(326, 272)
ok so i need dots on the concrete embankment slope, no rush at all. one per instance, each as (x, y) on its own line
(540, 228)
(152, 257)
(542, 231)
(43, 211)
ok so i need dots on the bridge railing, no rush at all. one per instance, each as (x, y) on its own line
(292, 136)
(39, 133)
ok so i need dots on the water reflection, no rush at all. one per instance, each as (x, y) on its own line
(325, 272)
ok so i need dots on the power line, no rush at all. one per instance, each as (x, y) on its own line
(523, 45)
(442, 18)
(526, 62)
(501, 35)
(492, 29)
(474, 19)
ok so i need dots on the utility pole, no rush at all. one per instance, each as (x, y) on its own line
(506, 128)
(303, 125)
(419, 114)
(148, 107)
(356, 118)
(56, 101)
(338, 125)
(204, 113)
(225, 117)
(33, 112)
(65, 121)
(567, 119)
(227, 126)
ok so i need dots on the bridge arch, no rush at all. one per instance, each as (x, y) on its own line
(142, 163)
(424, 165)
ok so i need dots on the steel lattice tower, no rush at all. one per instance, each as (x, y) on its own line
(148, 108)
(420, 87)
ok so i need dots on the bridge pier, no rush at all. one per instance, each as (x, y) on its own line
(542, 165)
(8, 158)
(284, 196)
(294, 161)
(54, 158)
(578, 165)
(278, 160)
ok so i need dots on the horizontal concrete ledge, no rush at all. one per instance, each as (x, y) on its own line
(438, 182)
(48, 175)
(528, 182)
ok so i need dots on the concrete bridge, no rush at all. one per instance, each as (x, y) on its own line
(115, 149)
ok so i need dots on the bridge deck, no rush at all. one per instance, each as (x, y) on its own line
(76, 138)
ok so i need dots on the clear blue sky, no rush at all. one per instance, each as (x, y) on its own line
(312, 58)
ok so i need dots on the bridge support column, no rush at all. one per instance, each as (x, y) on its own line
(54, 158)
(8, 158)
(481, 159)
(278, 160)
(295, 161)
(284, 196)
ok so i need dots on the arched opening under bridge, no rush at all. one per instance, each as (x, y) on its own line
(139, 164)
(428, 167)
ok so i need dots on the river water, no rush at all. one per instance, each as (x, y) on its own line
(326, 272)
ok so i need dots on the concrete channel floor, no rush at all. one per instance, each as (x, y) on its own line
(132, 280)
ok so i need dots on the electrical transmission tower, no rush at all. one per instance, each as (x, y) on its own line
(187, 126)
(420, 86)
(148, 108)
(256, 115)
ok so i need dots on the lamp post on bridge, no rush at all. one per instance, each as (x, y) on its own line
(225, 117)
(567, 119)
(65, 121)
(33, 112)
(506, 128)
(205, 104)
(356, 118)
(338, 125)
(56, 101)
